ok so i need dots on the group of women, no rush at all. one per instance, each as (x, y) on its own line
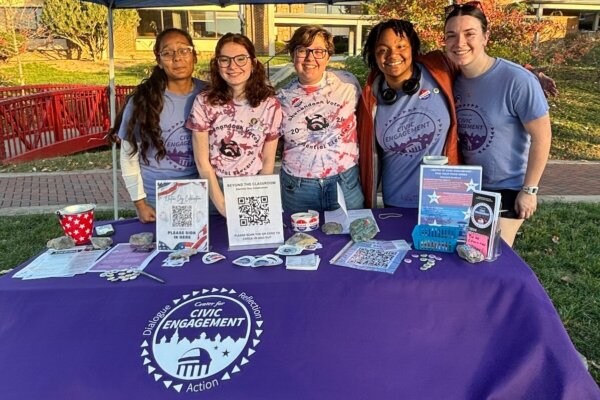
(463, 104)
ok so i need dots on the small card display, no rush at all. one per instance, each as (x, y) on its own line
(254, 213)
(483, 223)
(182, 214)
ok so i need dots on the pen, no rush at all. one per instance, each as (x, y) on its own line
(156, 278)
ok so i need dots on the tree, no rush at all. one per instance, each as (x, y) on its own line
(84, 24)
(17, 29)
(511, 30)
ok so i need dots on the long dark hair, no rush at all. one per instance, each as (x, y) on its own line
(257, 87)
(147, 101)
(401, 27)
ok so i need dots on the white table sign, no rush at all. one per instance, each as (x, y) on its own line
(182, 214)
(253, 206)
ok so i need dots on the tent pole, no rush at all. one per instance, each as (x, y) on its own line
(112, 103)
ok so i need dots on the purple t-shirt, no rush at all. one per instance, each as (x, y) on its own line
(411, 128)
(179, 160)
(491, 110)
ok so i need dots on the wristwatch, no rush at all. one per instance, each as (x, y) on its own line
(530, 189)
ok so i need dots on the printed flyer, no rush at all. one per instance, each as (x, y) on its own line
(182, 214)
(445, 194)
(373, 255)
(254, 211)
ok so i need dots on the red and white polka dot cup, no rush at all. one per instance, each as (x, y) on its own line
(78, 222)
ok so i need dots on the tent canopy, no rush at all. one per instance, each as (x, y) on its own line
(181, 3)
(114, 4)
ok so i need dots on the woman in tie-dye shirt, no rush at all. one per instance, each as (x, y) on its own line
(235, 122)
(318, 128)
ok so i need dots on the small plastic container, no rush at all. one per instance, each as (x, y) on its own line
(436, 238)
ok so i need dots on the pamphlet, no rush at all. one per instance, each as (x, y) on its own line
(373, 255)
(182, 214)
(60, 263)
(482, 232)
(123, 256)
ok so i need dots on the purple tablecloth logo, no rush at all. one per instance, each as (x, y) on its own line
(201, 339)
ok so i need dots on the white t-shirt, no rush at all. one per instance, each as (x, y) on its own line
(319, 126)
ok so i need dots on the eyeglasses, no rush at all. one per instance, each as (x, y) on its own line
(171, 54)
(303, 52)
(239, 60)
(468, 6)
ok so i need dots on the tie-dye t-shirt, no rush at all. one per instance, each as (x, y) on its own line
(236, 133)
(319, 126)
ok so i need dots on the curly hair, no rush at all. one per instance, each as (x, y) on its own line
(147, 101)
(401, 27)
(257, 89)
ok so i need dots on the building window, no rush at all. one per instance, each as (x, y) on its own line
(200, 24)
(316, 9)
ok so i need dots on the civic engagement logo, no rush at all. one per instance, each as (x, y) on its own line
(199, 340)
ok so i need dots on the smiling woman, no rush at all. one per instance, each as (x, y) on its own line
(236, 121)
(319, 128)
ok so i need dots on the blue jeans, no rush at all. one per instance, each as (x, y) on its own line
(302, 194)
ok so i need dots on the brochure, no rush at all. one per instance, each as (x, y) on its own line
(60, 263)
(123, 256)
(482, 233)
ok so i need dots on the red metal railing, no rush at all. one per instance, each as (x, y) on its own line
(16, 91)
(54, 120)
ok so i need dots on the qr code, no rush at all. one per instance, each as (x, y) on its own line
(372, 258)
(253, 210)
(182, 216)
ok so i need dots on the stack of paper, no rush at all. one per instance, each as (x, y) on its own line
(308, 262)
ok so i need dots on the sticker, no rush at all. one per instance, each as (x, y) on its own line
(244, 261)
(288, 250)
(212, 257)
(424, 94)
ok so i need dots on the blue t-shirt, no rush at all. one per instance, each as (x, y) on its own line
(179, 160)
(491, 110)
(411, 128)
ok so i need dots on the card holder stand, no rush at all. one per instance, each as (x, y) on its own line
(435, 238)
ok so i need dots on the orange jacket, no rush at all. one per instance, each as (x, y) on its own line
(444, 73)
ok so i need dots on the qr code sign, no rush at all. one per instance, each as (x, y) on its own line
(372, 258)
(182, 215)
(253, 210)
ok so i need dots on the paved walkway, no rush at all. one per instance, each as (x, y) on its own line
(32, 193)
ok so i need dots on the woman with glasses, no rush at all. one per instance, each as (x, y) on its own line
(503, 119)
(318, 128)
(235, 122)
(155, 143)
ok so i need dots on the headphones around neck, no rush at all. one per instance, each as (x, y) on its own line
(389, 96)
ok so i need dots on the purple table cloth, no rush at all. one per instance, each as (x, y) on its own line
(456, 331)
